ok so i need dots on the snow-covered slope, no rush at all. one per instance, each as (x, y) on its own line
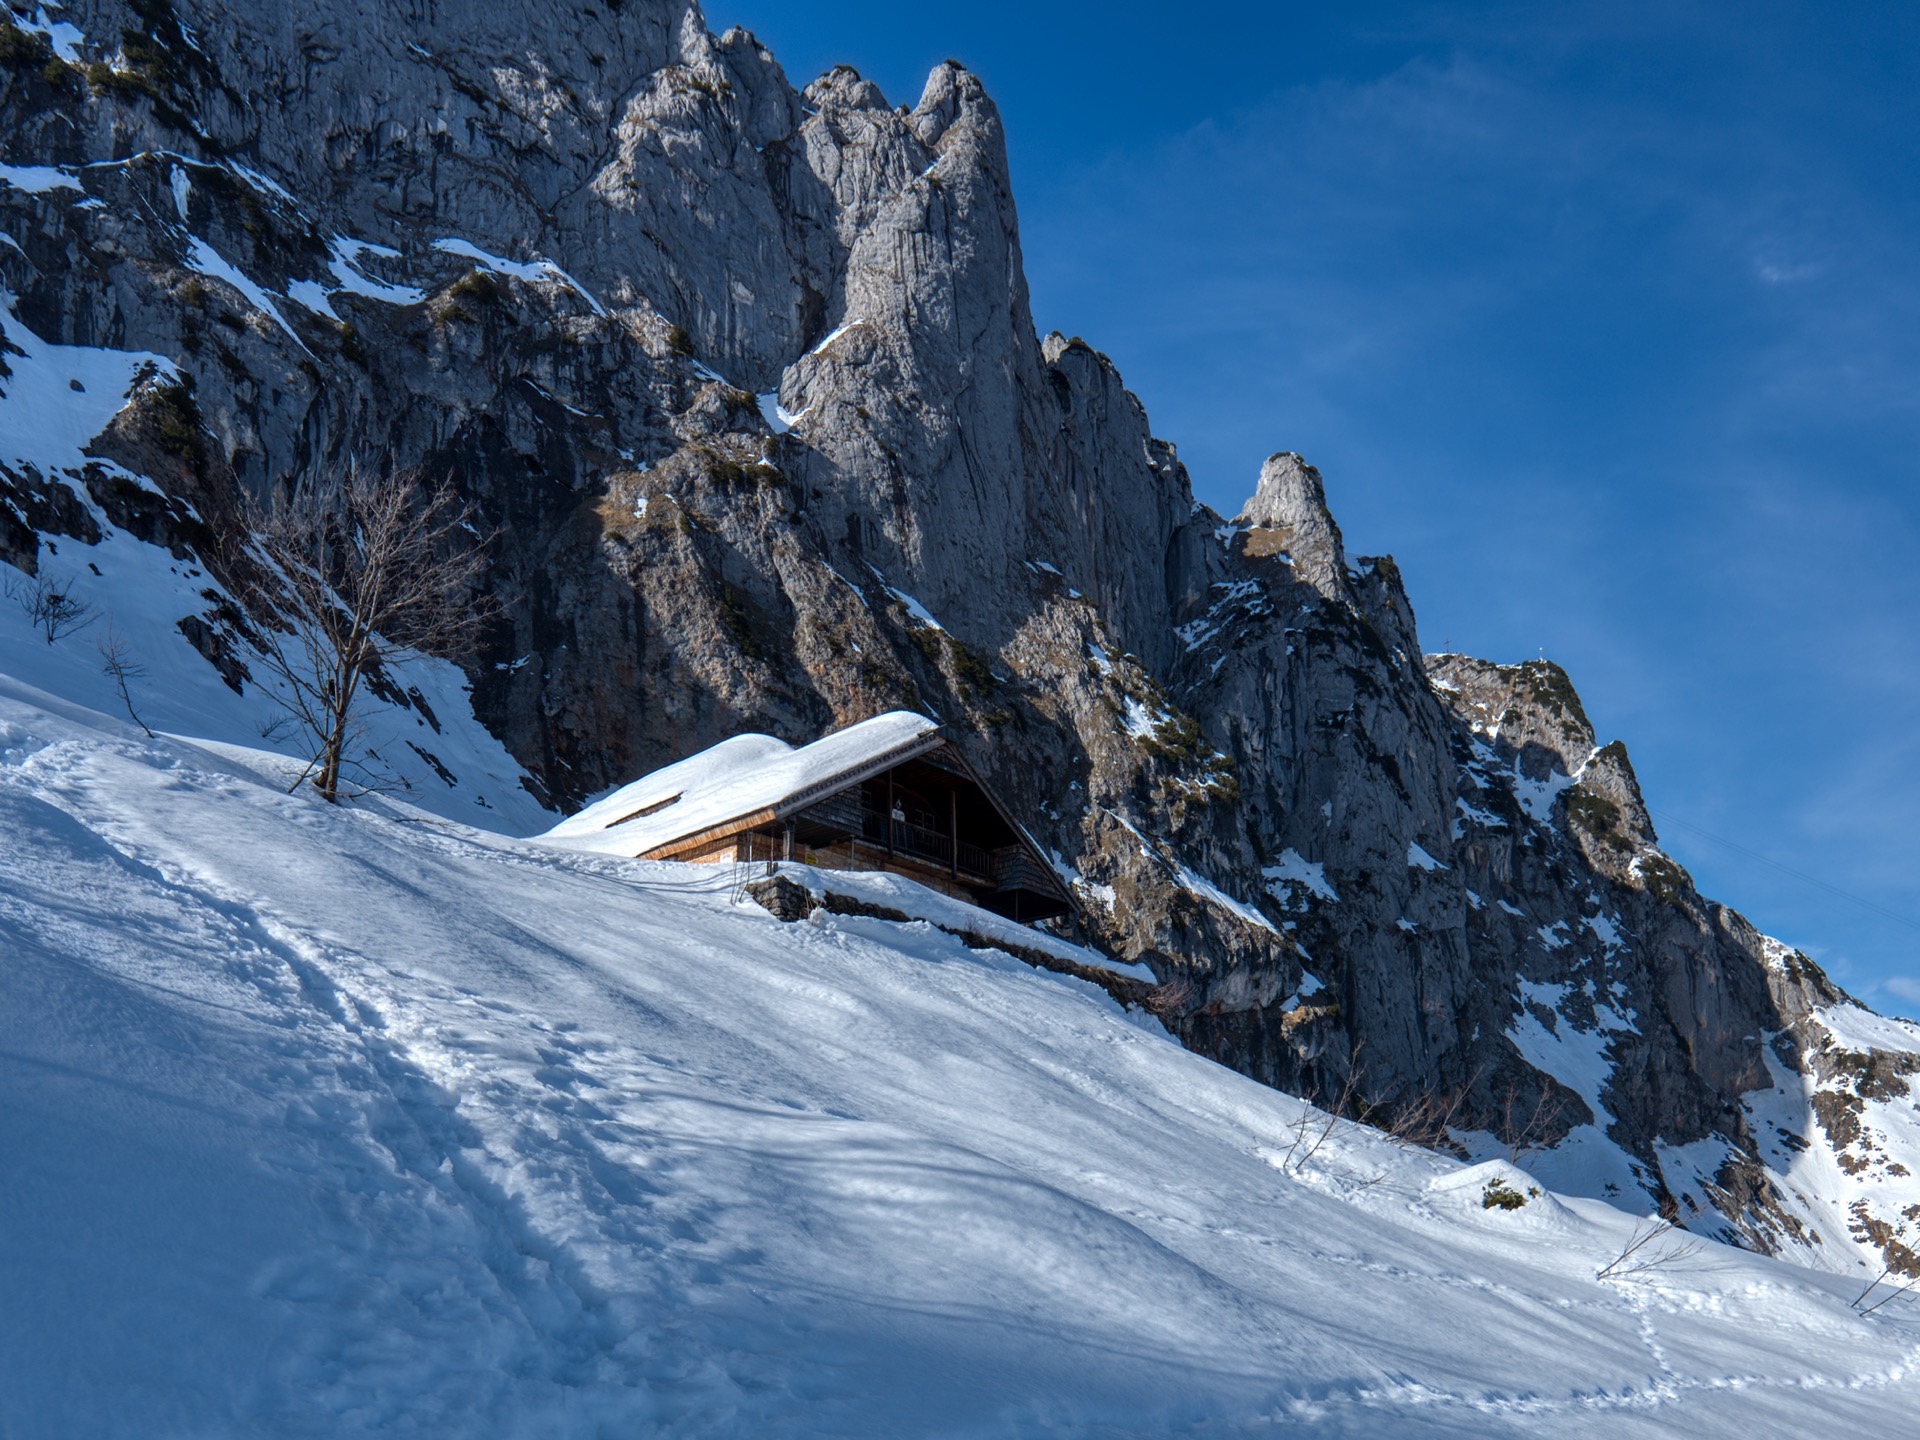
(141, 600)
(329, 1121)
(750, 473)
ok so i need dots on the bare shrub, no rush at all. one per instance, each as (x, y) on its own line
(1310, 1132)
(1428, 1120)
(117, 664)
(1651, 1247)
(51, 606)
(1527, 1129)
(1170, 997)
(361, 574)
(1314, 1128)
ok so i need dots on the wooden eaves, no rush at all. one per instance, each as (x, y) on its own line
(802, 798)
(920, 745)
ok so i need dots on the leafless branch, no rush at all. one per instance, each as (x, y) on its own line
(1428, 1120)
(1891, 1295)
(1874, 1285)
(1314, 1128)
(1525, 1130)
(1650, 1248)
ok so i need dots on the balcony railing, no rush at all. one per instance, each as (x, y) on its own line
(918, 842)
(974, 860)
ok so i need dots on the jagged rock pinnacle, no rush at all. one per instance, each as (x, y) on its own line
(1291, 500)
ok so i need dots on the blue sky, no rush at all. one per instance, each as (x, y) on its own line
(1604, 320)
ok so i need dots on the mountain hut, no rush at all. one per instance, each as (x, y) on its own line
(889, 793)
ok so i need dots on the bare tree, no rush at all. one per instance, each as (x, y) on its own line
(118, 664)
(51, 606)
(383, 564)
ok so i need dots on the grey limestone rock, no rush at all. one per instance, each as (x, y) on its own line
(1288, 514)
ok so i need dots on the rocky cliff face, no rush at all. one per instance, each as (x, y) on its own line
(746, 380)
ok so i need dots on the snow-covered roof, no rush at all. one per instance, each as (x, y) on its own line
(742, 776)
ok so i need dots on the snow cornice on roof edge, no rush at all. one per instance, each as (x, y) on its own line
(744, 779)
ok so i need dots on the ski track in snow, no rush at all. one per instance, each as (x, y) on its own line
(393, 1126)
